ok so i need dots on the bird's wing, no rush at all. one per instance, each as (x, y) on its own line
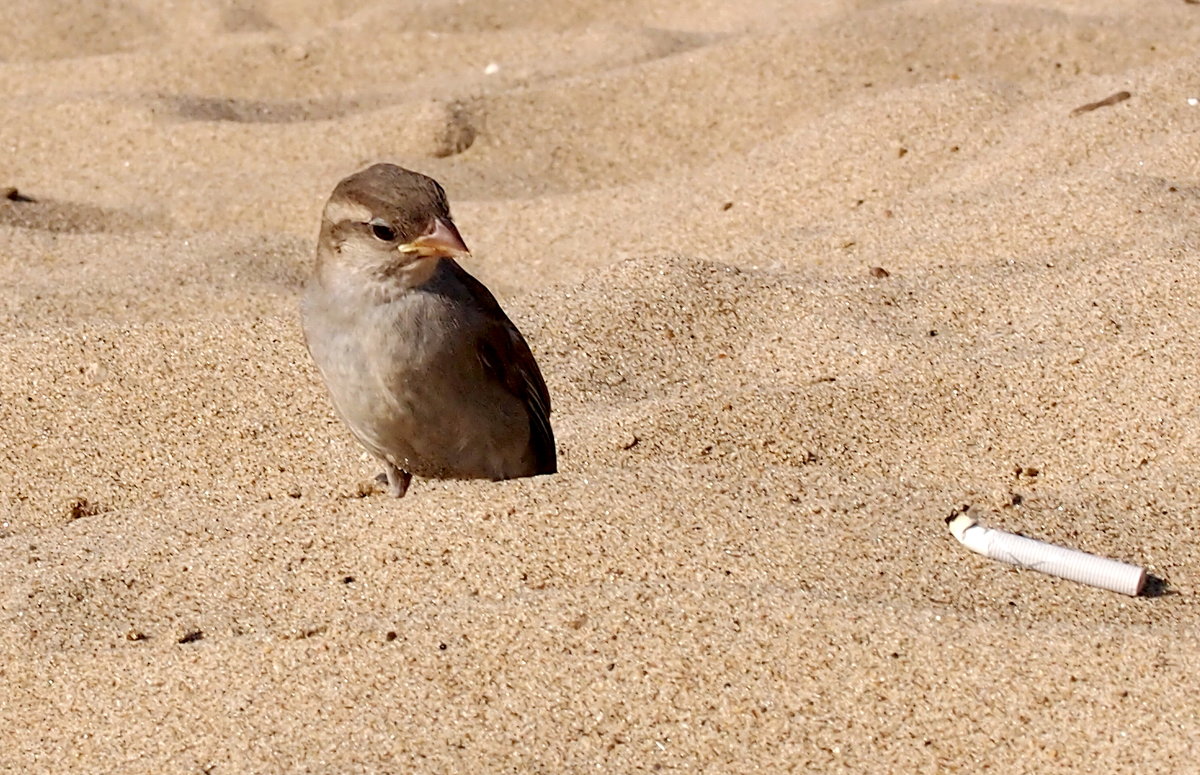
(506, 357)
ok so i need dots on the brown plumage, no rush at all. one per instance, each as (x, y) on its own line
(421, 362)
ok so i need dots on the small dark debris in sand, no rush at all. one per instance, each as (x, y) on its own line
(879, 271)
(192, 636)
(80, 507)
(136, 635)
(1120, 96)
(391, 636)
(727, 206)
(13, 195)
(347, 579)
(365, 489)
(901, 153)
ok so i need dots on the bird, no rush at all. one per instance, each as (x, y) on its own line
(419, 359)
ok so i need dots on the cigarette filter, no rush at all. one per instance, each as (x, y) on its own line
(1048, 558)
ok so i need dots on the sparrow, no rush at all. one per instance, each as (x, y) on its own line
(420, 361)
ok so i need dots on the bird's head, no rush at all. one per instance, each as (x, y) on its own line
(388, 223)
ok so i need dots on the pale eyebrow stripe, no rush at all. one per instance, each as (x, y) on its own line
(343, 210)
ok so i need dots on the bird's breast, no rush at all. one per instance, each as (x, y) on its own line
(405, 377)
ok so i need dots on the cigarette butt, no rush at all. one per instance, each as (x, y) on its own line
(1048, 558)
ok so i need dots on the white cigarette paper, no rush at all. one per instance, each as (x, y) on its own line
(1048, 558)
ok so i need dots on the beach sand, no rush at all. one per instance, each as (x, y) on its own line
(742, 565)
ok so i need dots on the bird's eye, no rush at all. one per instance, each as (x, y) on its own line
(382, 231)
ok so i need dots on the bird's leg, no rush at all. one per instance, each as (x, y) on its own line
(396, 478)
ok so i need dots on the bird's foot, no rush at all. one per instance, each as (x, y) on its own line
(397, 480)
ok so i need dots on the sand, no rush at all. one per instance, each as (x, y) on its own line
(742, 565)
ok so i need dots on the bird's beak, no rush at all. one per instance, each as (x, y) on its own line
(441, 241)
